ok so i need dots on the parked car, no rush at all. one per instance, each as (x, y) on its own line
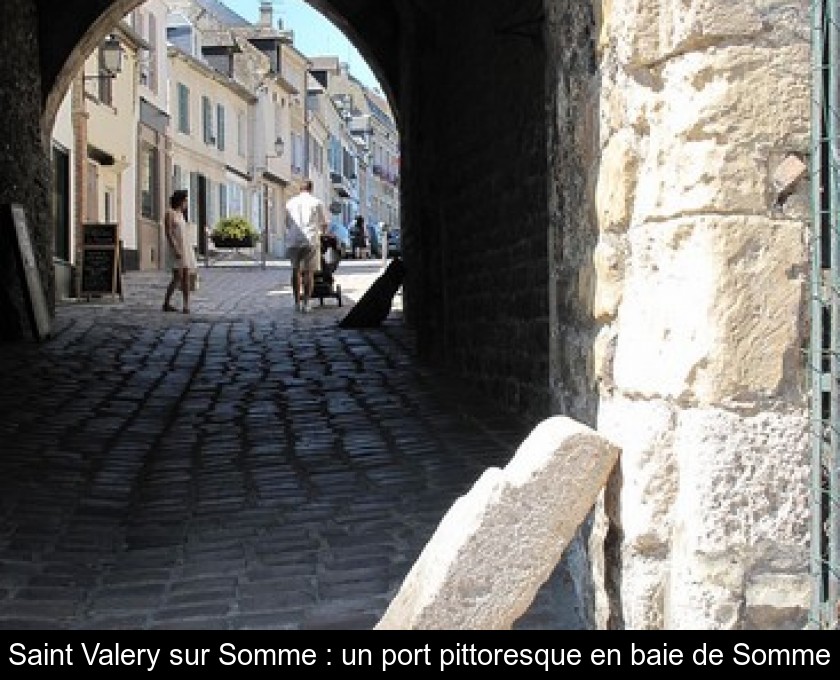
(394, 242)
(342, 235)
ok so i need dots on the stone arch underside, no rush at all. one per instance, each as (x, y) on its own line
(468, 89)
(372, 26)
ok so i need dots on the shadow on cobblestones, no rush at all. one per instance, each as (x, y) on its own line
(239, 467)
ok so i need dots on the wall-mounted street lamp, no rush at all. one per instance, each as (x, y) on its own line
(110, 59)
(279, 145)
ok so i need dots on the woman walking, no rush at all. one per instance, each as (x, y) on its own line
(181, 250)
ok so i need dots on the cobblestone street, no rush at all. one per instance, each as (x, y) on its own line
(240, 467)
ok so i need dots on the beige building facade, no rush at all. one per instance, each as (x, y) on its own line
(211, 143)
(153, 136)
(94, 155)
(370, 136)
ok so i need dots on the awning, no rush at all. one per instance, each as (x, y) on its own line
(271, 177)
(238, 173)
(100, 156)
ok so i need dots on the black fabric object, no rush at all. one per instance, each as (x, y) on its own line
(375, 305)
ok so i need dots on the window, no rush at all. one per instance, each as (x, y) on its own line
(223, 201)
(92, 192)
(137, 21)
(184, 38)
(349, 165)
(110, 206)
(236, 200)
(257, 209)
(317, 155)
(241, 132)
(61, 203)
(207, 120)
(192, 210)
(220, 127)
(278, 124)
(149, 182)
(106, 83)
(334, 156)
(183, 109)
(151, 55)
(212, 206)
(297, 154)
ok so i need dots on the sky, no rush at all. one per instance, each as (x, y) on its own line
(314, 34)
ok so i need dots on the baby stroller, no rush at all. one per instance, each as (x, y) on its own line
(325, 285)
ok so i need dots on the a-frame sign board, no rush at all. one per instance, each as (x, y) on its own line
(14, 225)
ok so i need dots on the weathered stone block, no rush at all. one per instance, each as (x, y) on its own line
(778, 601)
(617, 177)
(788, 173)
(719, 116)
(498, 544)
(609, 263)
(648, 32)
(641, 509)
(712, 309)
(742, 512)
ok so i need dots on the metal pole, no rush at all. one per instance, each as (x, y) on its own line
(264, 248)
(833, 462)
(817, 304)
(817, 19)
(383, 240)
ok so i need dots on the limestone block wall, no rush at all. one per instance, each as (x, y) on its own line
(700, 297)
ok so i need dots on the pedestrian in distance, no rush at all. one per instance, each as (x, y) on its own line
(306, 222)
(181, 254)
(361, 244)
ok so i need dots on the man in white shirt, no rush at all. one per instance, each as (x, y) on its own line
(306, 221)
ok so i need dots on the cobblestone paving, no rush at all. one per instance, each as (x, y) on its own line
(240, 467)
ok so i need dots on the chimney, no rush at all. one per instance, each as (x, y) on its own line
(266, 14)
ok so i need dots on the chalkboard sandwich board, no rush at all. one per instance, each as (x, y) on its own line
(101, 273)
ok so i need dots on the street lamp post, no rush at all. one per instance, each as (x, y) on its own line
(111, 54)
(279, 147)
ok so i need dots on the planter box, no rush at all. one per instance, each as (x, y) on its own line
(234, 242)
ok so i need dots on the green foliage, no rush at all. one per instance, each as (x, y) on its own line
(234, 228)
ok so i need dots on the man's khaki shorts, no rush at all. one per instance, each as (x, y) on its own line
(305, 258)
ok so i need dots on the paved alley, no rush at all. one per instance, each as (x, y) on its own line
(239, 467)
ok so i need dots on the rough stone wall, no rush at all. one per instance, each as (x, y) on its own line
(477, 180)
(24, 170)
(700, 292)
(573, 85)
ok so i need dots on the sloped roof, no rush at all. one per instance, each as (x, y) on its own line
(224, 13)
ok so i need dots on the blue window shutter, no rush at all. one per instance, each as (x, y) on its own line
(223, 204)
(220, 125)
(183, 108)
(207, 119)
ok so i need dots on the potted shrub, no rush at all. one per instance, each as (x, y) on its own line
(234, 232)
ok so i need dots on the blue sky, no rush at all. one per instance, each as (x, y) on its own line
(314, 33)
